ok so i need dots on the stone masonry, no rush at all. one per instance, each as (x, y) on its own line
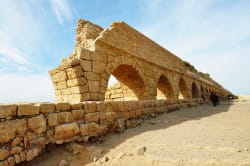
(147, 69)
(151, 81)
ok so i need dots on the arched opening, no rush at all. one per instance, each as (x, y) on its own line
(164, 89)
(195, 91)
(203, 96)
(183, 91)
(129, 85)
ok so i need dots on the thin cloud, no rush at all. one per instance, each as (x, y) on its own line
(62, 10)
(13, 55)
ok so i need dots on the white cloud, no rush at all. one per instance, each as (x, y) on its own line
(214, 37)
(25, 88)
(62, 10)
(13, 55)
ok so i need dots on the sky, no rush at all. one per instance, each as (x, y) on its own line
(213, 35)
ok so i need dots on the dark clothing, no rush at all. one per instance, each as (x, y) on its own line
(214, 98)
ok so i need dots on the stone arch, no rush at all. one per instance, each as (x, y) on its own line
(164, 88)
(195, 91)
(203, 92)
(183, 89)
(128, 73)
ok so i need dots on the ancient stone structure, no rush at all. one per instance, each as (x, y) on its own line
(86, 108)
(139, 64)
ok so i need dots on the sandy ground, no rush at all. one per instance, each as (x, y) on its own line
(204, 135)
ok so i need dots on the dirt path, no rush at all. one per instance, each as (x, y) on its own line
(204, 135)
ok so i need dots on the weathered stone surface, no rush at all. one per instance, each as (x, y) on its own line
(66, 131)
(8, 110)
(111, 116)
(47, 107)
(38, 142)
(4, 154)
(17, 158)
(52, 119)
(27, 109)
(11, 161)
(78, 114)
(64, 117)
(15, 150)
(84, 129)
(93, 129)
(76, 106)
(63, 106)
(21, 126)
(37, 124)
(7, 131)
(92, 117)
(16, 141)
(90, 107)
(4, 163)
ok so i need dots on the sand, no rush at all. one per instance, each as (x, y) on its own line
(204, 135)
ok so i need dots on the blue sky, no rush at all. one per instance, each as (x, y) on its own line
(213, 35)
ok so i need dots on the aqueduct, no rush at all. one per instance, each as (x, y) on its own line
(144, 69)
(86, 107)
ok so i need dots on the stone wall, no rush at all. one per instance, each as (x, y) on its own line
(26, 129)
(133, 59)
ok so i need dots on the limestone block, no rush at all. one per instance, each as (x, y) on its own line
(49, 136)
(93, 86)
(138, 112)
(78, 114)
(84, 129)
(7, 131)
(74, 72)
(102, 116)
(92, 117)
(66, 131)
(85, 54)
(37, 124)
(132, 113)
(108, 106)
(100, 106)
(22, 156)
(93, 129)
(94, 96)
(29, 136)
(59, 76)
(92, 76)
(102, 129)
(8, 110)
(76, 97)
(111, 116)
(79, 89)
(47, 107)
(90, 107)
(16, 141)
(98, 67)
(76, 106)
(63, 106)
(16, 149)
(4, 154)
(76, 82)
(61, 85)
(86, 65)
(17, 158)
(66, 91)
(27, 109)
(21, 126)
(11, 161)
(64, 117)
(124, 115)
(38, 142)
(4, 163)
(52, 119)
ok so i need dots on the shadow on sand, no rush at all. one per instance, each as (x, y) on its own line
(59, 152)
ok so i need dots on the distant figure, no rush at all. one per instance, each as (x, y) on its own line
(214, 98)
